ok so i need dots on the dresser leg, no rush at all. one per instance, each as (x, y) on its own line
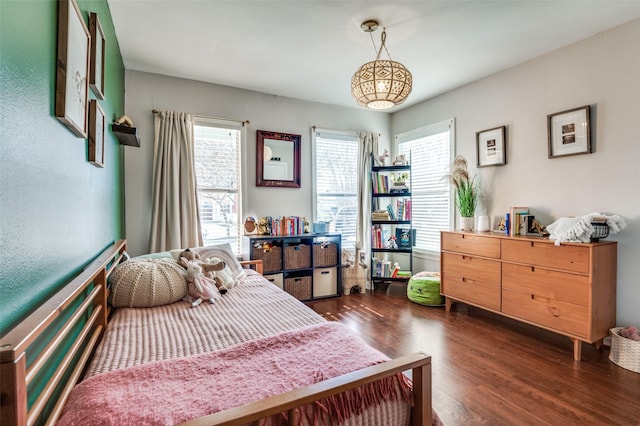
(598, 344)
(447, 304)
(577, 349)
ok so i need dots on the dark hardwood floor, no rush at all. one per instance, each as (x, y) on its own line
(491, 370)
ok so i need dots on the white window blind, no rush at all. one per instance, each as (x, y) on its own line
(336, 182)
(218, 150)
(430, 151)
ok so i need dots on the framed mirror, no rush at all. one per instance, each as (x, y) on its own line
(277, 159)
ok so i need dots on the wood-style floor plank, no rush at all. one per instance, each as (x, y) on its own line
(491, 370)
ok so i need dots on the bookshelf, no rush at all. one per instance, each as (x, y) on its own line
(392, 236)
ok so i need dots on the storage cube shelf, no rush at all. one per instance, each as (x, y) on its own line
(307, 266)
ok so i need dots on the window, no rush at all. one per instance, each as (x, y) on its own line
(429, 149)
(218, 147)
(336, 182)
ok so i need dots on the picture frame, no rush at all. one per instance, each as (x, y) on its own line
(277, 159)
(569, 132)
(491, 147)
(405, 237)
(72, 68)
(96, 133)
(96, 62)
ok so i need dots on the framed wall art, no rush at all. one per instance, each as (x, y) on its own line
(72, 88)
(491, 147)
(96, 62)
(277, 159)
(569, 132)
(96, 134)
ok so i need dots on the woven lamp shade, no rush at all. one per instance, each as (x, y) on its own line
(381, 84)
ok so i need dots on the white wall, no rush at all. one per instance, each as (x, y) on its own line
(145, 92)
(604, 72)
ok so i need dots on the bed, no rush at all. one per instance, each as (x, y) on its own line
(74, 359)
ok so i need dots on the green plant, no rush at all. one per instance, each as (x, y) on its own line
(465, 187)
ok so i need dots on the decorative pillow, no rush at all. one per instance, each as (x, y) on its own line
(144, 283)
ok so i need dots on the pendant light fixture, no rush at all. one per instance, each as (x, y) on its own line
(380, 84)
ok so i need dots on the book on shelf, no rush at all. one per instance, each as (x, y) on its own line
(515, 216)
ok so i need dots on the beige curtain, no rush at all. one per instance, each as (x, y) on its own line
(367, 144)
(174, 216)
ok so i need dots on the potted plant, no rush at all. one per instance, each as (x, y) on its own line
(466, 192)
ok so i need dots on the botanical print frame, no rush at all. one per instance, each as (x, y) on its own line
(569, 132)
(96, 63)
(96, 134)
(491, 147)
(72, 67)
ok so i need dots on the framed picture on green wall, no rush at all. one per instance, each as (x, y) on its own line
(72, 68)
(96, 134)
(96, 63)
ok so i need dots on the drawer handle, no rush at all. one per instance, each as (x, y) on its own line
(533, 269)
(272, 280)
(532, 243)
(324, 272)
(554, 311)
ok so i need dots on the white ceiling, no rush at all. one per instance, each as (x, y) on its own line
(309, 49)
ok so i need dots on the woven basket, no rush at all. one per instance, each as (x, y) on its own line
(271, 259)
(624, 352)
(299, 287)
(325, 254)
(297, 257)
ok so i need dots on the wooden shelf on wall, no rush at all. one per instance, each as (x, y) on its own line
(126, 135)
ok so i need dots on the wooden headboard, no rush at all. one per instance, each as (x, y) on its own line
(42, 358)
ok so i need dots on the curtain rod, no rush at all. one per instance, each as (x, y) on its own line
(244, 122)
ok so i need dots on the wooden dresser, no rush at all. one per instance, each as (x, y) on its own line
(568, 289)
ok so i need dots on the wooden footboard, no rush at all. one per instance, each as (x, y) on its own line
(419, 363)
(43, 357)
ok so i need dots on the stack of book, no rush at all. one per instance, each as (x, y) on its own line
(521, 222)
(380, 215)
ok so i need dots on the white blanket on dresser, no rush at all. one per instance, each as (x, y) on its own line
(579, 229)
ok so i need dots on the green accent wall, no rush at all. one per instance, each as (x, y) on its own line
(57, 210)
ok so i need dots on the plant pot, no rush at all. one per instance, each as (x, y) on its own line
(466, 223)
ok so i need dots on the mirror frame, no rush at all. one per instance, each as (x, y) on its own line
(295, 140)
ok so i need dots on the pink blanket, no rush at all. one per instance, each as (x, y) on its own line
(172, 391)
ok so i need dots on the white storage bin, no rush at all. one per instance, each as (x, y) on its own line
(325, 282)
(276, 279)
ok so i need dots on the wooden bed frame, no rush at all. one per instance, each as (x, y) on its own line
(44, 356)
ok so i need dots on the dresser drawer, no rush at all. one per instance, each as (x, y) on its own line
(557, 315)
(566, 257)
(560, 286)
(471, 279)
(470, 243)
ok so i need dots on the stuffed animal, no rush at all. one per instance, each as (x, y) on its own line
(630, 332)
(380, 159)
(187, 256)
(401, 160)
(199, 287)
(223, 277)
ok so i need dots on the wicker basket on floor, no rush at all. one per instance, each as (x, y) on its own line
(624, 352)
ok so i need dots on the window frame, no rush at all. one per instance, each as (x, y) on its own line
(347, 136)
(424, 132)
(205, 121)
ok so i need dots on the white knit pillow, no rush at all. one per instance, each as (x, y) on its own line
(144, 283)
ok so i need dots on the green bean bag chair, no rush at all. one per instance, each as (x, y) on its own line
(424, 288)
